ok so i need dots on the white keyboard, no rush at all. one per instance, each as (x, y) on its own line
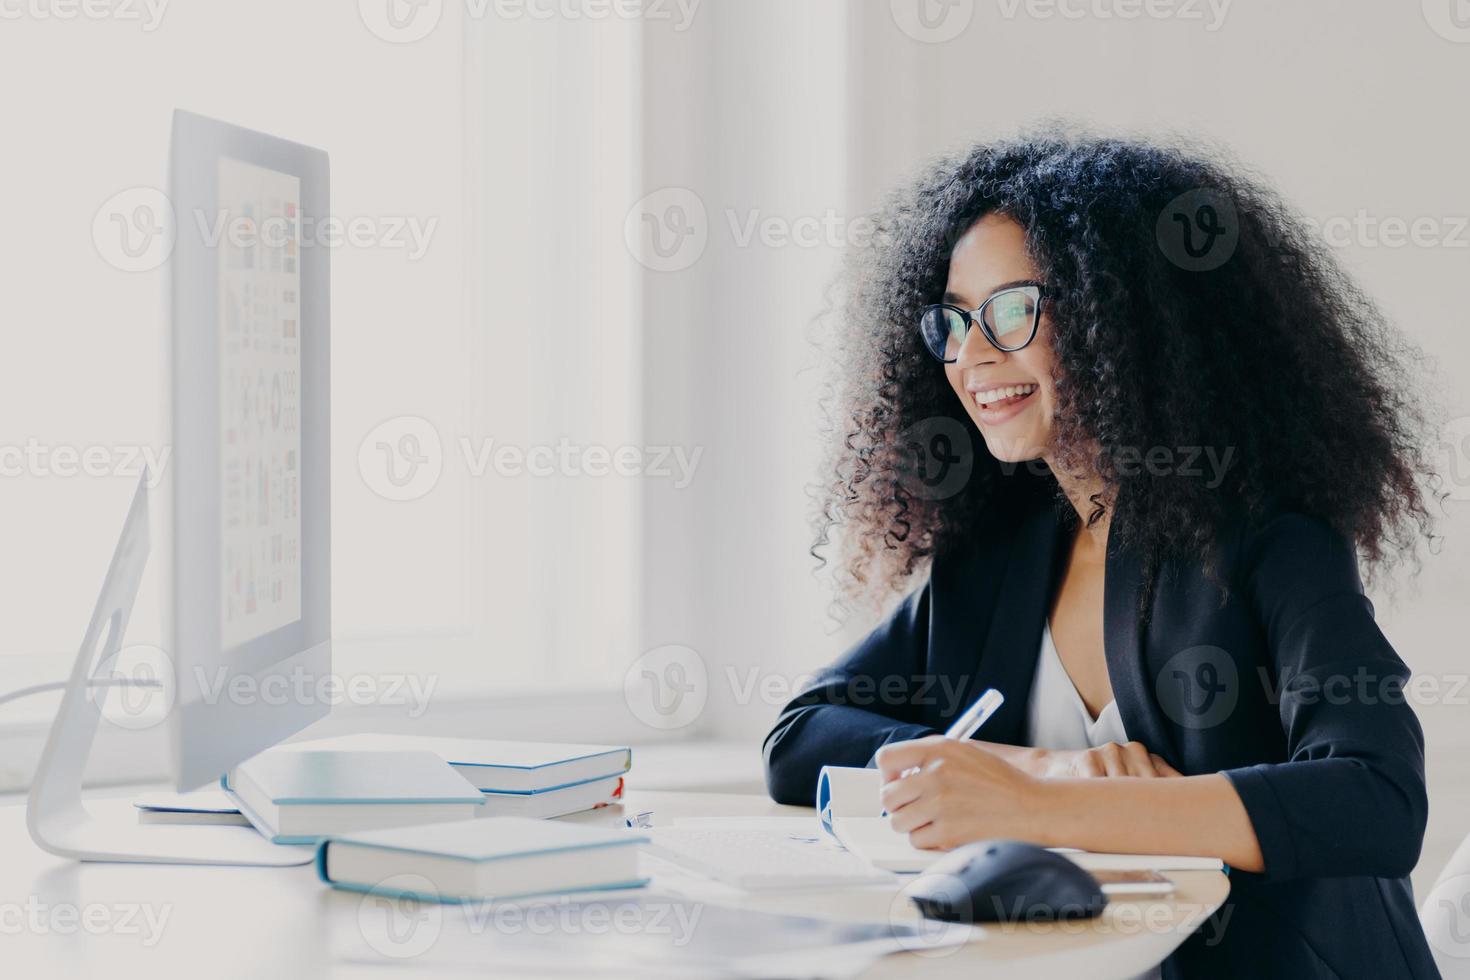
(762, 860)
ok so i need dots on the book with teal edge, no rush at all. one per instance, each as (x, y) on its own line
(500, 858)
(500, 766)
(302, 797)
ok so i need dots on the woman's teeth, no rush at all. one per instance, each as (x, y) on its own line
(999, 394)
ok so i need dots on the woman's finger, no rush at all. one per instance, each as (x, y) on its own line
(911, 817)
(1138, 761)
(927, 838)
(896, 759)
(1163, 768)
(901, 792)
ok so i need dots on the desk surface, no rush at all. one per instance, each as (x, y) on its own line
(63, 919)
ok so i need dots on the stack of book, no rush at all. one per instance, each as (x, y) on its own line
(298, 793)
(518, 779)
(303, 797)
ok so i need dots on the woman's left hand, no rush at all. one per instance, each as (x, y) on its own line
(960, 793)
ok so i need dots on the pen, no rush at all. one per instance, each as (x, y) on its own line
(967, 724)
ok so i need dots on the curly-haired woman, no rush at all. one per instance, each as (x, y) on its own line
(1191, 426)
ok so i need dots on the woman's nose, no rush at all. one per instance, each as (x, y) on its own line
(977, 348)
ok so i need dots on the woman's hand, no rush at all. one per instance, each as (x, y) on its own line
(1112, 759)
(960, 793)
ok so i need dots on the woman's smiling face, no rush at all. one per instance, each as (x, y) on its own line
(1008, 394)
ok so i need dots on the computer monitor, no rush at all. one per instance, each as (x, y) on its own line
(247, 552)
(248, 548)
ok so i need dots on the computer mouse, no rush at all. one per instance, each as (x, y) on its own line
(1006, 881)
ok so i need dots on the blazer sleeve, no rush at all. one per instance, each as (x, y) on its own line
(1350, 798)
(854, 707)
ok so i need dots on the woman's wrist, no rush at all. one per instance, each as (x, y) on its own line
(1048, 810)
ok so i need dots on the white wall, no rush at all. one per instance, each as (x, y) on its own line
(745, 112)
(87, 116)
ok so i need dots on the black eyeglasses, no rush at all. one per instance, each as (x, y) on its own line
(1008, 318)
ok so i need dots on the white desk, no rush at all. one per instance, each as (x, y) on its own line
(283, 923)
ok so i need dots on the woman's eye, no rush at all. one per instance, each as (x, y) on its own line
(1010, 312)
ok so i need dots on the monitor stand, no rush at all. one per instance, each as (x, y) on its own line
(57, 818)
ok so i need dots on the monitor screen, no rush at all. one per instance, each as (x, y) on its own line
(258, 230)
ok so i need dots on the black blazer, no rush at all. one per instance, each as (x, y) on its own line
(1282, 681)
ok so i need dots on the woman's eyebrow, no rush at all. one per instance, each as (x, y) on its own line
(956, 299)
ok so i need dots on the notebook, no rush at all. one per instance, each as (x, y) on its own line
(554, 802)
(208, 807)
(501, 766)
(295, 797)
(493, 858)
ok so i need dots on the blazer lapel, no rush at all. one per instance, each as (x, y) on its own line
(1011, 645)
(1124, 642)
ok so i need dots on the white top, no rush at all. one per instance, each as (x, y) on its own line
(1057, 717)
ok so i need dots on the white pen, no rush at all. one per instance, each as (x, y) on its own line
(969, 723)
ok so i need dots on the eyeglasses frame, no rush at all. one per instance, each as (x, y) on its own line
(977, 316)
